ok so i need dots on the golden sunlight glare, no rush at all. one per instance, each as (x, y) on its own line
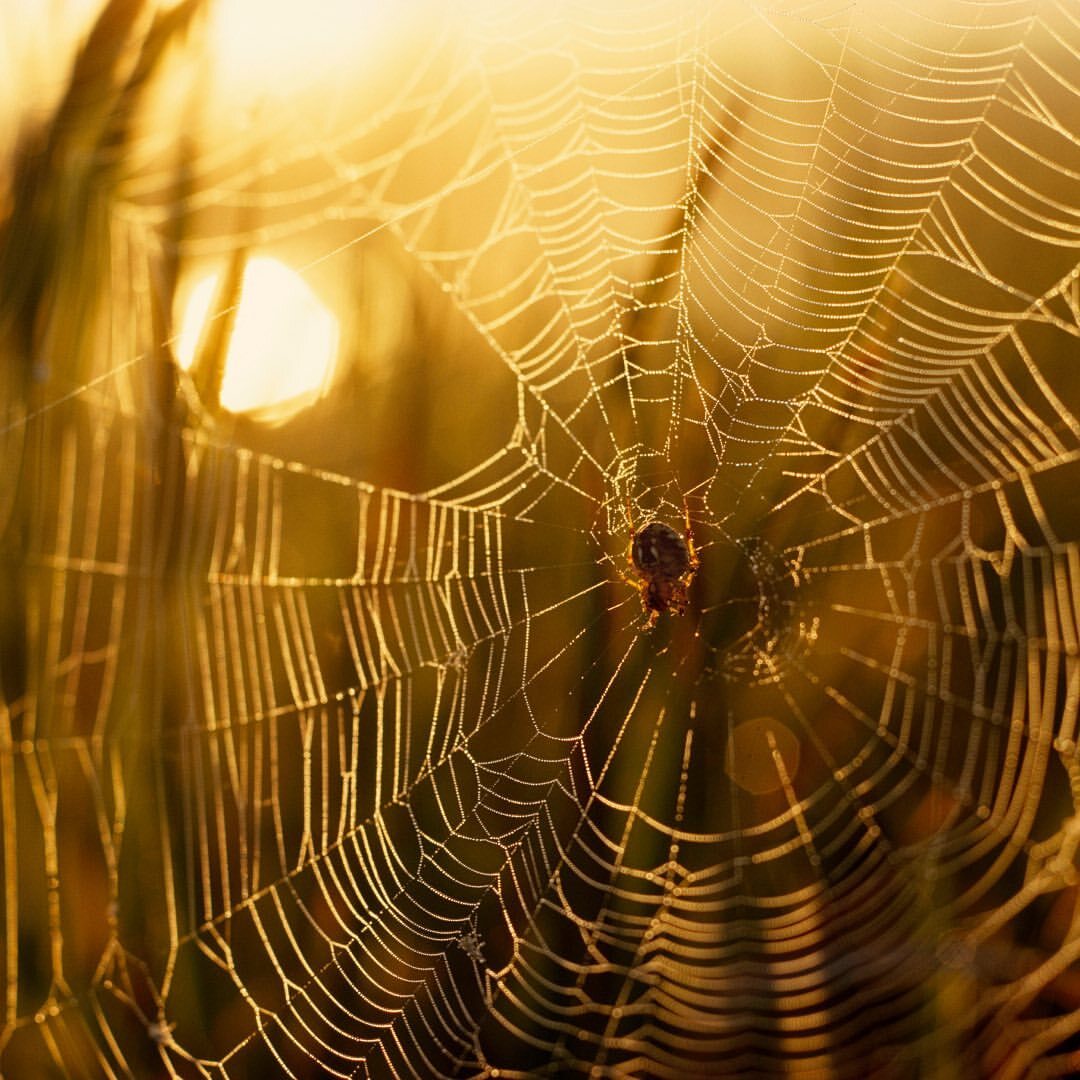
(283, 346)
(279, 44)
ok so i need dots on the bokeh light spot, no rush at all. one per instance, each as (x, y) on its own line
(283, 347)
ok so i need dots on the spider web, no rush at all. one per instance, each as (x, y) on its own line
(360, 761)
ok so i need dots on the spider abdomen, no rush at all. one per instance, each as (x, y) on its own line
(664, 562)
(659, 553)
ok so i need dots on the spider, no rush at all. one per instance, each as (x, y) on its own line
(664, 564)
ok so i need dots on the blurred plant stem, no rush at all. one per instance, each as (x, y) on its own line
(64, 326)
(55, 260)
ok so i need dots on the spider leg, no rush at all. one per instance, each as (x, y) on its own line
(695, 563)
(630, 523)
(640, 586)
